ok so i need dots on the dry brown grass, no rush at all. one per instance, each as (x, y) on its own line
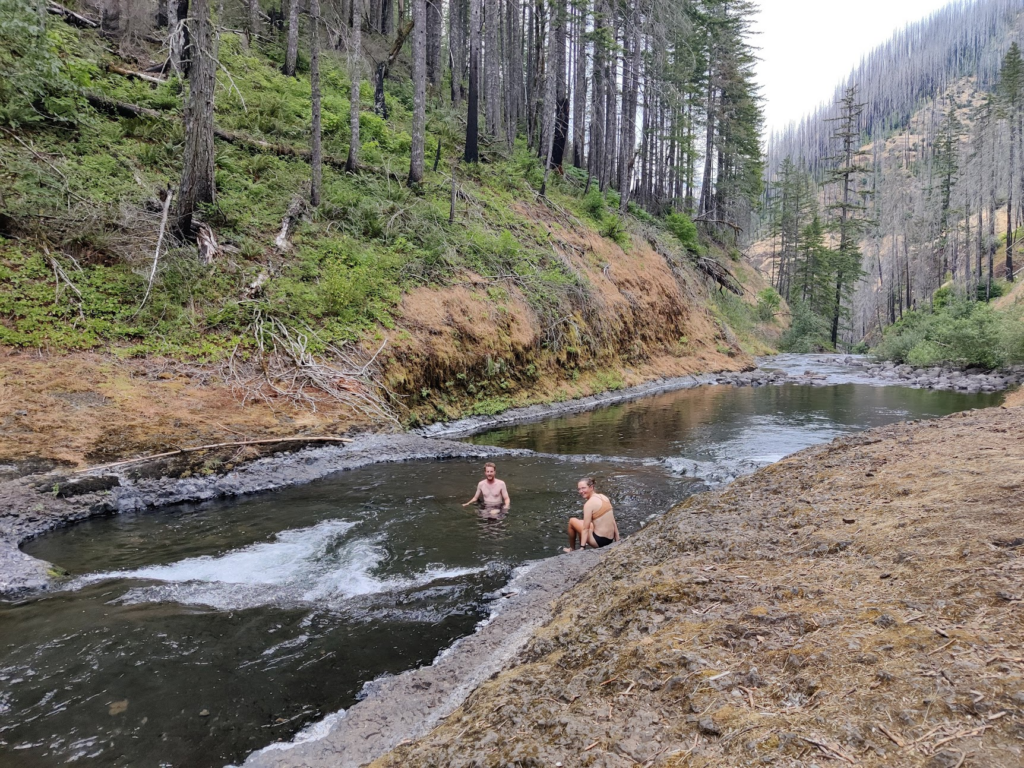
(856, 604)
(88, 408)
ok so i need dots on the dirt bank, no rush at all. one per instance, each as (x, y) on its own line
(856, 603)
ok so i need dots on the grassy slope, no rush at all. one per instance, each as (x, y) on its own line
(521, 300)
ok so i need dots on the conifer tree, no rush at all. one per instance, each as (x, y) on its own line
(1011, 91)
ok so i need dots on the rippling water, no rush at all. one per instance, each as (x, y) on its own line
(190, 636)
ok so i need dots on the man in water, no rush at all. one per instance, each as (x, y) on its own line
(491, 495)
(598, 527)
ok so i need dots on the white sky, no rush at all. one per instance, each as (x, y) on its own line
(809, 46)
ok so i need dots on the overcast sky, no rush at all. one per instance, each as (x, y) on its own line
(809, 46)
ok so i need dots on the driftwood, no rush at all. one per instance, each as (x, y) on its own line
(72, 18)
(240, 444)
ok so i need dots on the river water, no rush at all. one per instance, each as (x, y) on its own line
(193, 635)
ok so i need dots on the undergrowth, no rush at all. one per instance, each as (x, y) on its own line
(955, 331)
(81, 210)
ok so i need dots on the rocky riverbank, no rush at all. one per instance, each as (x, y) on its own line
(969, 380)
(857, 602)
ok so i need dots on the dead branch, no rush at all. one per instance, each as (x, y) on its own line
(159, 241)
(72, 18)
(717, 272)
(48, 164)
(283, 367)
(291, 216)
(208, 248)
(133, 75)
(704, 220)
(239, 444)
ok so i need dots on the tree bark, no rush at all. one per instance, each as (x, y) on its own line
(434, 44)
(492, 68)
(457, 22)
(355, 57)
(292, 51)
(473, 114)
(316, 147)
(253, 21)
(579, 104)
(419, 92)
(197, 176)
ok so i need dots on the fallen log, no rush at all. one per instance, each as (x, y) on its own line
(239, 444)
(72, 18)
(124, 109)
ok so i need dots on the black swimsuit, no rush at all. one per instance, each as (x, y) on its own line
(602, 541)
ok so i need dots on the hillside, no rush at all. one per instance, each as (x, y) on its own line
(921, 210)
(373, 308)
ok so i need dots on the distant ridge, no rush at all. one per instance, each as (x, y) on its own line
(921, 61)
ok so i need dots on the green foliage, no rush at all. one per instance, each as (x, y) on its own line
(33, 86)
(685, 231)
(594, 205)
(613, 228)
(956, 331)
(808, 332)
(768, 303)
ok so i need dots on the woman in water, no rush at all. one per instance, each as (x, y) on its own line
(597, 528)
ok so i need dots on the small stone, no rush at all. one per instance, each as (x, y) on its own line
(204, 713)
(707, 726)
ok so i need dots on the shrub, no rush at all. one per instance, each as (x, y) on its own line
(958, 331)
(594, 205)
(33, 86)
(809, 332)
(679, 224)
(768, 303)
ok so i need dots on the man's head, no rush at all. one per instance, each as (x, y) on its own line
(489, 470)
(586, 487)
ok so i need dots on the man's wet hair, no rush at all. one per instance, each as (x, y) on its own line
(490, 464)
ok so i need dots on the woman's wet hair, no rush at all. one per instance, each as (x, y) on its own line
(588, 480)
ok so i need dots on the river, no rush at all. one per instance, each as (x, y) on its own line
(192, 635)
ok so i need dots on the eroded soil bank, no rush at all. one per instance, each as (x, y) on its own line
(857, 602)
